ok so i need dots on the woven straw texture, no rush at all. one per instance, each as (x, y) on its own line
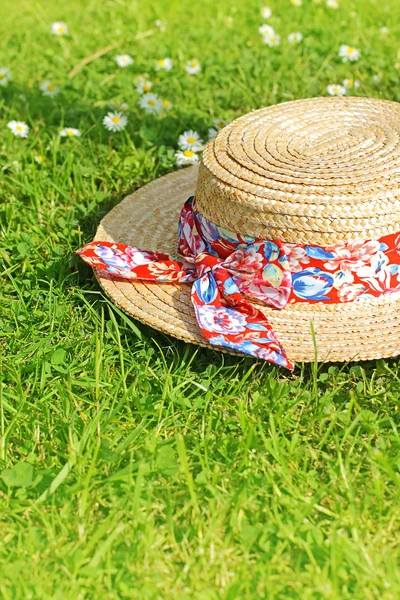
(323, 171)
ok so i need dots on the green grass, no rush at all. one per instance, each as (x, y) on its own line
(133, 465)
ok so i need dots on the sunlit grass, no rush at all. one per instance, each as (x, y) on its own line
(133, 465)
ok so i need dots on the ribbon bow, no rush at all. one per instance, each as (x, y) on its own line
(225, 269)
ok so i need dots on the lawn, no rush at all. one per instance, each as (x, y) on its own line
(133, 465)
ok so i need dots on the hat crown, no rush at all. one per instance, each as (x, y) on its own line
(320, 171)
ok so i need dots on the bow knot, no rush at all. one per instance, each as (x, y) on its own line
(206, 262)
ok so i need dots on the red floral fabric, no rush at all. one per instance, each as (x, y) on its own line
(225, 268)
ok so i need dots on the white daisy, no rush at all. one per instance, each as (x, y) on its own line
(349, 53)
(38, 158)
(193, 67)
(151, 103)
(118, 105)
(143, 86)
(272, 40)
(166, 104)
(378, 76)
(336, 90)
(228, 21)
(5, 75)
(384, 30)
(351, 83)
(59, 28)
(164, 64)
(332, 3)
(218, 125)
(295, 37)
(115, 121)
(190, 140)
(124, 60)
(49, 89)
(19, 128)
(296, 2)
(70, 132)
(266, 12)
(266, 29)
(186, 157)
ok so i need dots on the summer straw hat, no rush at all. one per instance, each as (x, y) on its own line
(318, 173)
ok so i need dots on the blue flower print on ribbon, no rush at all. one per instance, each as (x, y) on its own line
(312, 284)
(209, 232)
(206, 288)
(227, 235)
(318, 253)
(248, 239)
(256, 327)
(110, 257)
(271, 251)
(230, 286)
(394, 269)
(247, 347)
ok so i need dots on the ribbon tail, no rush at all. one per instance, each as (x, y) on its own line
(269, 347)
(234, 323)
(121, 260)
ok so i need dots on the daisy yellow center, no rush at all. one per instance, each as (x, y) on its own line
(116, 119)
(70, 132)
(351, 50)
(146, 87)
(2, 75)
(161, 63)
(220, 124)
(189, 153)
(191, 140)
(350, 83)
(39, 158)
(60, 29)
(50, 87)
(151, 102)
(166, 103)
(19, 128)
(194, 63)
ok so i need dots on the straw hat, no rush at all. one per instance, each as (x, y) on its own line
(318, 171)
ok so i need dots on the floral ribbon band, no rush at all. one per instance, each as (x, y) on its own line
(228, 270)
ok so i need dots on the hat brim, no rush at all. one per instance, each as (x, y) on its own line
(148, 219)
